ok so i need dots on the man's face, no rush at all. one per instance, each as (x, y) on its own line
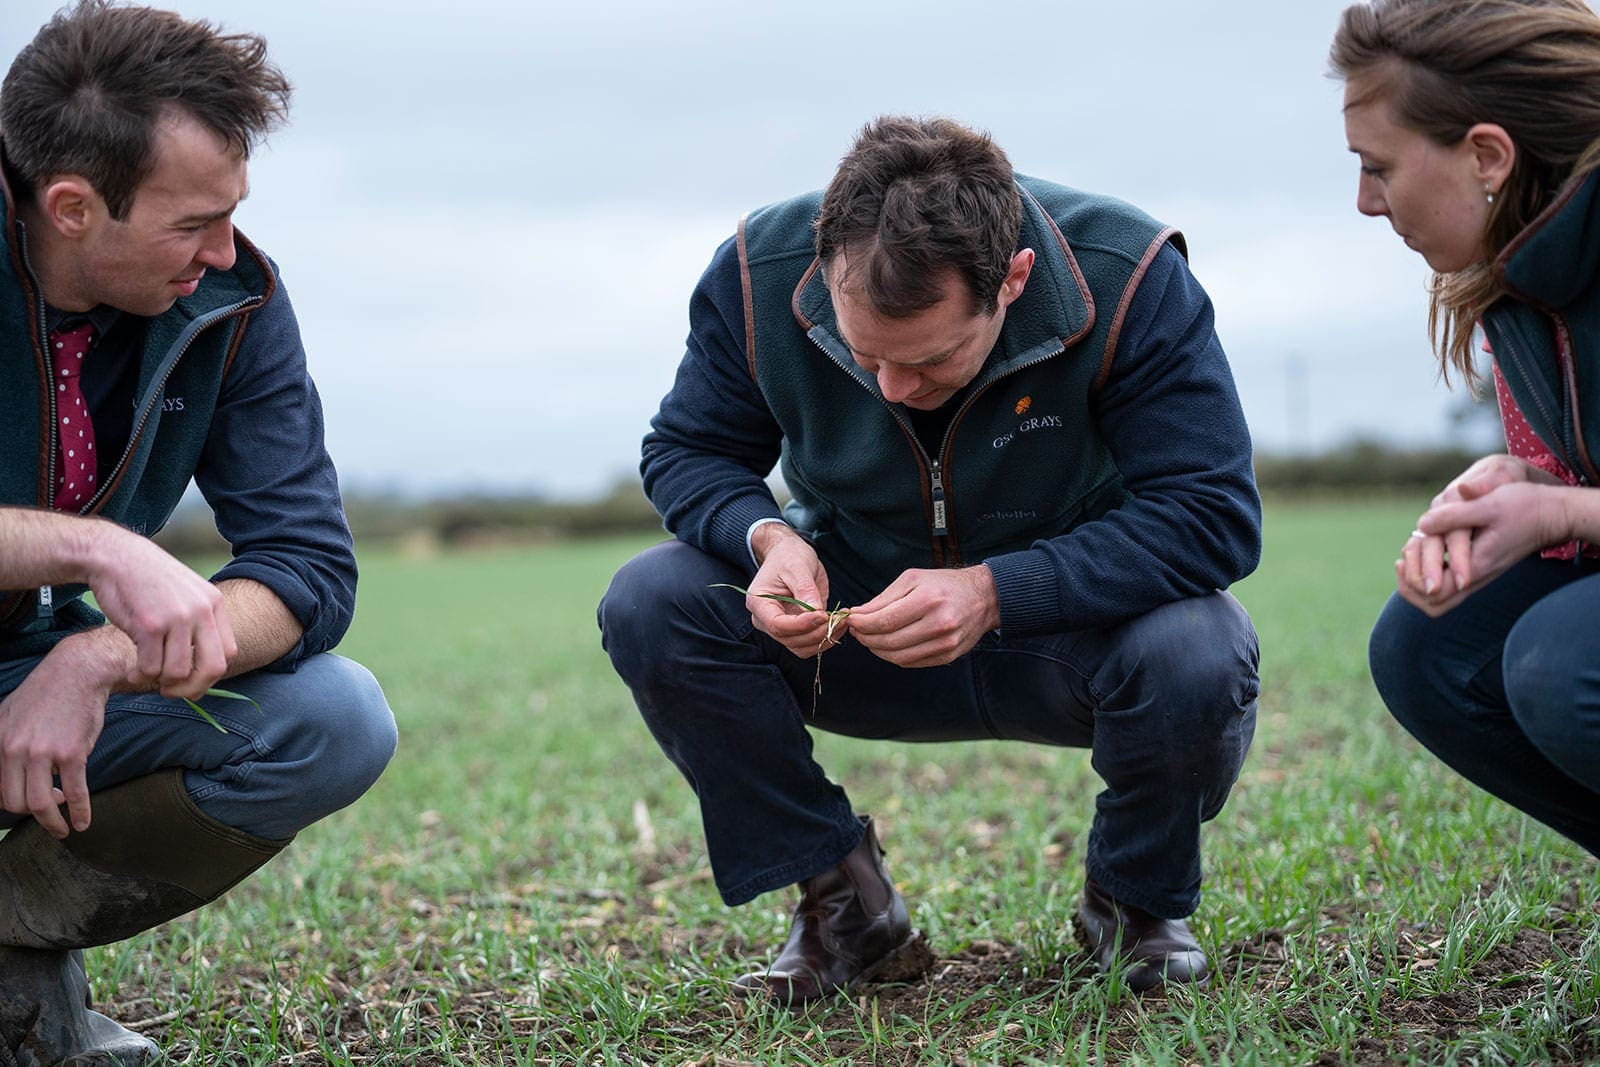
(179, 225)
(923, 360)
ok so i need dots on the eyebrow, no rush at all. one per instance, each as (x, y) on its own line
(929, 361)
(213, 216)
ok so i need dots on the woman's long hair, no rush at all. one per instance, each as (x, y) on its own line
(1530, 66)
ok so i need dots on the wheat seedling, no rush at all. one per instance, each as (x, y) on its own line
(836, 619)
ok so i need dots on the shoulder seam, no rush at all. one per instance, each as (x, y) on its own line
(749, 298)
(1139, 271)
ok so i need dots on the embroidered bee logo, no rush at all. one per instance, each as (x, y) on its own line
(1024, 404)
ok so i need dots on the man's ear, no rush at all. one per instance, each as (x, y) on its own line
(70, 204)
(1016, 278)
(1494, 153)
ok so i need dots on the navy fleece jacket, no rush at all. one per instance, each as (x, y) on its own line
(1168, 411)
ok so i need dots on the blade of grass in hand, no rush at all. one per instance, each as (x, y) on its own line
(229, 694)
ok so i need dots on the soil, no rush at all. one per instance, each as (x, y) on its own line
(405, 1003)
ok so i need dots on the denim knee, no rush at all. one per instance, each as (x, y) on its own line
(1197, 660)
(1392, 655)
(660, 602)
(1417, 683)
(344, 734)
(1553, 693)
(357, 723)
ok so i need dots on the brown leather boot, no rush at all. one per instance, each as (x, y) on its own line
(1151, 950)
(149, 855)
(851, 925)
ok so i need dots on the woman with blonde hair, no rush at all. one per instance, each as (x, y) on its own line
(1477, 124)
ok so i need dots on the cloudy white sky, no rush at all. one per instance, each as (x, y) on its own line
(490, 213)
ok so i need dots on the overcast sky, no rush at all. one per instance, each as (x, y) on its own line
(490, 214)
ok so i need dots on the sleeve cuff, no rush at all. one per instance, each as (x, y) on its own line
(296, 596)
(749, 546)
(1026, 586)
(730, 527)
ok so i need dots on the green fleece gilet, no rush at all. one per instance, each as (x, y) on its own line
(1022, 459)
(186, 352)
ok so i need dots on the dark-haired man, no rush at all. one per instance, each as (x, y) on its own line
(1016, 453)
(143, 342)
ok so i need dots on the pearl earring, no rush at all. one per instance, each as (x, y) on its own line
(1488, 192)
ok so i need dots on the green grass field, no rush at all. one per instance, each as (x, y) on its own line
(527, 884)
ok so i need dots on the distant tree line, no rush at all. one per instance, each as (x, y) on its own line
(1360, 467)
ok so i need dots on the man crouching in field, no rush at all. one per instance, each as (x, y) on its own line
(142, 342)
(1017, 454)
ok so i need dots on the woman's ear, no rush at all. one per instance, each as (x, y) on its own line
(1493, 155)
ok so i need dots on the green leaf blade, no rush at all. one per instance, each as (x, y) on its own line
(206, 715)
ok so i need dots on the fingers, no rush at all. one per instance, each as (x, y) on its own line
(14, 785)
(177, 664)
(29, 789)
(1431, 556)
(209, 662)
(1458, 548)
(150, 643)
(1412, 564)
(74, 793)
(42, 804)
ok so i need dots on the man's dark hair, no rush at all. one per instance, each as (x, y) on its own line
(86, 95)
(914, 199)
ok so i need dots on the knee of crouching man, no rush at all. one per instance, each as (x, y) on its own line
(661, 598)
(359, 722)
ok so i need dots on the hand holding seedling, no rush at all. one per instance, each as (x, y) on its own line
(926, 618)
(789, 569)
(177, 620)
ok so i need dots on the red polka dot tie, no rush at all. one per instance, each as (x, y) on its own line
(75, 463)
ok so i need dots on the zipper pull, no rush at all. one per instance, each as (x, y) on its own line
(937, 478)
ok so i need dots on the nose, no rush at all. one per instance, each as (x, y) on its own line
(217, 252)
(1369, 197)
(897, 383)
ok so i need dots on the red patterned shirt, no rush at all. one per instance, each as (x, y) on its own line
(1525, 445)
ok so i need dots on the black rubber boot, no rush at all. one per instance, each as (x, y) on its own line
(44, 1015)
(150, 855)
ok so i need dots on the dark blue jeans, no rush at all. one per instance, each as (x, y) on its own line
(1166, 702)
(319, 739)
(1505, 689)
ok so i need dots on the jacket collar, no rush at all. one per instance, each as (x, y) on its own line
(1556, 257)
(1054, 312)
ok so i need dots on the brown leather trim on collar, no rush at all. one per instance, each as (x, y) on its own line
(794, 301)
(261, 261)
(749, 298)
(1132, 287)
(1563, 197)
(1569, 370)
(233, 346)
(1077, 273)
(244, 320)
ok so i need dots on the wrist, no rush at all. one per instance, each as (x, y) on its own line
(89, 548)
(103, 656)
(1577, 515)
(988, 596)
(764, 536)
